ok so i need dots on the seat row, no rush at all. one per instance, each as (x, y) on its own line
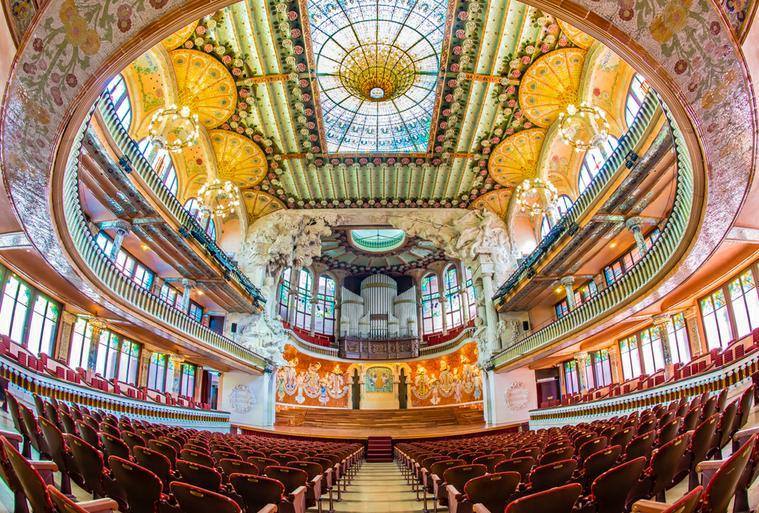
(142, 467)
(611, 464)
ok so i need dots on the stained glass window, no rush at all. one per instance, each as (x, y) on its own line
(432, 319)
(120, 98)
(15, 303)
(635, 97)
(602, 366)
(303, 301)
(594, 161)
(677, 332)
(716, 320)
(570, 377)
(454, 315)
(470, 293)
(43, 325)
(377, 64)
(745, 302)
(129, 361)
(325, 306)
(157, 372)
(628, 352)
(162, 164)
(81, 340)
(283, 294)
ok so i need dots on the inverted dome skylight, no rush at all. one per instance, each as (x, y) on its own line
(377, 63)
(378, 240)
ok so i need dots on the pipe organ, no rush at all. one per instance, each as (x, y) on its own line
(379, 312)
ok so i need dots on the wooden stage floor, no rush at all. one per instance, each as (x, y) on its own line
(362, 433)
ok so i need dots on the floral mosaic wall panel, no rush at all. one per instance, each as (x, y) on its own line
(378, 380)
(309, 381)
(450, 379)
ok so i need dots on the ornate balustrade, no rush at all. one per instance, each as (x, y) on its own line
(124, 288)
(133, 160)
(659, 258)
(23, 382)
(623, 155)
(357, 348)
(734, 376)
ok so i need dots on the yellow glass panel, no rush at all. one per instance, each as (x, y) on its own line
(577, 36)
(496, 201)
(259, 204)
(180, 36)
(204, 85)
(238, 159)
(515, 158)
(550, 84)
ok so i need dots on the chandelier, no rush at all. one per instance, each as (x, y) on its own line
(219, 198)
(174, 128)
(536, 196)
(583, 127)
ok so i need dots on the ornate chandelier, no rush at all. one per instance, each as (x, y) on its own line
(174, 128)
(536, 196)
(583, 127)
(219, 198)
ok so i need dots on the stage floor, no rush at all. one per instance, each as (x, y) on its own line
(399, 433)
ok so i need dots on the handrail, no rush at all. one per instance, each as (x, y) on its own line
(640, 275)
(567, 224)
(134, 160)
(124, 288)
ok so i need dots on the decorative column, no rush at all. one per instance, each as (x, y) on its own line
(491, 316)
(120, 228)
(581, 358)
(175, 373)
(186, 292)
(142, 374)
(633, 224)
(662, 322)
(568, 283)
(293, 296)
(338, 305)
(198, 384)
(444, 311)
(615, 363)
(312, 303)
(63, 340)
(418, 291)
(697, 343)
(98, 326)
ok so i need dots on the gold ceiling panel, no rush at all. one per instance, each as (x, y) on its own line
(238, 158)
(259, 204)
(550, 84)
(577, 36)
(515, 158)
(496, 201)
(205, 86)
(180, 36)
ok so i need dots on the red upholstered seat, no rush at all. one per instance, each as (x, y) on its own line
(196, 457)
(156, 463)
(520, 465)
(199, 475)
(611, 489)
(721, 487)
(141, 487)
(494, 490)
(551, 475)
(555, 500)
(192, 499)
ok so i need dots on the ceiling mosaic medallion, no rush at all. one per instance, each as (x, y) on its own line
(496, 201)
(516, 157)
(176, 39)
(550, 84)
(258, 204)
(376, 64)
(577, 36)
(238, 159)
(205, 86)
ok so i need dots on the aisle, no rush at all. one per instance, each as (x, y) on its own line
(378, 488)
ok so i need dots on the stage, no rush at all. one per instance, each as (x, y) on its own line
(396, 433)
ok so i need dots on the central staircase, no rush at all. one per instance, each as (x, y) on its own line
(379, 449)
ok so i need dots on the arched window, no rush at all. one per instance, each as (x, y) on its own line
(432, 319)
(120, 98)
(545, 226)
(635, 96)
(563, 204)
(283, 294)
(206, 222)
(454, 316)
(470, 294)
(303, 300)
(162, 164)
(593, 161)
(325, 306)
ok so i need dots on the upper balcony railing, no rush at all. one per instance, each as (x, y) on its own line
(123, 287)
(623, 154)
(133, 160)
(642, 274)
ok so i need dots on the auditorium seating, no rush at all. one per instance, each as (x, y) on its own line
(135, 466)
(48, 366)
(605, 466)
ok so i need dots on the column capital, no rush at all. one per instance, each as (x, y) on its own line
(661, 319)
(567, 280)
(120, 225)
(582, 356)
(691, 312)
(633, 223)
(188, 283)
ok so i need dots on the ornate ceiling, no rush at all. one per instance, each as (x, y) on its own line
(379, 103)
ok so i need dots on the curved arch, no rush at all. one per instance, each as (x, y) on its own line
(721, 130)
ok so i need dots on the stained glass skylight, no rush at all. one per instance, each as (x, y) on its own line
(378, 240)
(377, 63)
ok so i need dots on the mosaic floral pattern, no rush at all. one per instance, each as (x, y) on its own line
(305, 380)
(450, 379)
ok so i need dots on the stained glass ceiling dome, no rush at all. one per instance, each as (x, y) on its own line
(377, 240)
(377, 63)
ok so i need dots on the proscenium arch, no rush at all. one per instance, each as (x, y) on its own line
(38, 127)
